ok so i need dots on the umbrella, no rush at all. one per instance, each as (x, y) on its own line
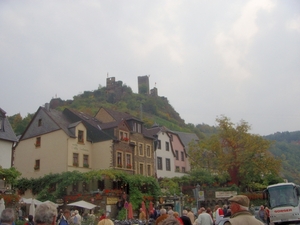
(130, 211)
(29, 201)
(144, 207)
(2, 205)
(56, 205)
(83, 204)
(151, 207)
(32, 208)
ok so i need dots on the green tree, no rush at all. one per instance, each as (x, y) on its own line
(9, 175)
(233, 149)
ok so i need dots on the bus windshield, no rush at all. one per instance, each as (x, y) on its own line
(284, 195)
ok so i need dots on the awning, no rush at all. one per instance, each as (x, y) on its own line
(83, 204)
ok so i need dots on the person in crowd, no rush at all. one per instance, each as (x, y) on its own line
(252, 209)
(191, 215)
(20, 214)
(106, 221)
(204, 218)
(157, 210)
(228, 214)
(7, 217)
(162, 217)
(103, 216)
(171, 220)
(219, 214)
(170, 213)
(208, 210)
(177, 217)
(185, 219)
(65, 218)
(240, 213)
(225, 208)
(59, 216)
(142, 215)
(45, 214)
(152, 214)
(77, 218)
(267, 215)
(261, 213)
(30, 220)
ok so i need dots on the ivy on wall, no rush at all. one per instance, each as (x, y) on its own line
(139, 186)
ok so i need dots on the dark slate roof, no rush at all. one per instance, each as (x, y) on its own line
(186, 138)
(154, 130)
(97, 131)
(7, 133)
(61, 120)
(121, 115)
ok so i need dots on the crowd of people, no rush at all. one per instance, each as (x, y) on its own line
(238, 212)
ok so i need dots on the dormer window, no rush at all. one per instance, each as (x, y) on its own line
(39, 122)
(80, 136)
(137, 127)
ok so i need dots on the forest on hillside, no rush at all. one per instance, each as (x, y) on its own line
(158, 110)
(286, 146)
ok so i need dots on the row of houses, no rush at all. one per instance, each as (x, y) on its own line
(59, 141)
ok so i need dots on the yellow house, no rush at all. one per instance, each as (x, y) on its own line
(52, 143)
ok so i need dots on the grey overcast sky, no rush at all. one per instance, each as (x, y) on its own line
(238, 58)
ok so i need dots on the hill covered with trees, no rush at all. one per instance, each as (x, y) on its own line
(153, 109)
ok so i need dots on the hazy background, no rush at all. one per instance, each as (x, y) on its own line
(236, 58)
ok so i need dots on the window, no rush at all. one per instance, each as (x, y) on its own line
(141, 149)
(159, 163)
(183, 169)
(141, 167)
(75, 159)
(124, 136)
(137, 127)
(167, 146)
(149, 170)
(158, 144)
(134, 148)
(37, 164)
(176, 154)
(177, 169)
(85, 161)
(38, 142)
(168, 165)
(182, 156)
(119, 159)
(1, 123)
(80, 136)
(39, 122)
(128, 161)
(148, 151)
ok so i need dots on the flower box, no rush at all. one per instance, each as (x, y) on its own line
(75, 164)
(128, 166)
(86, 165)
(36, 167)
(119, 165)
(125, 139)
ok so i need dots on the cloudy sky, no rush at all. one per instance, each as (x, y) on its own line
(235, 58)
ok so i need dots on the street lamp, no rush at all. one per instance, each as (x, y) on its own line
(198, 190)
(181, 204)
